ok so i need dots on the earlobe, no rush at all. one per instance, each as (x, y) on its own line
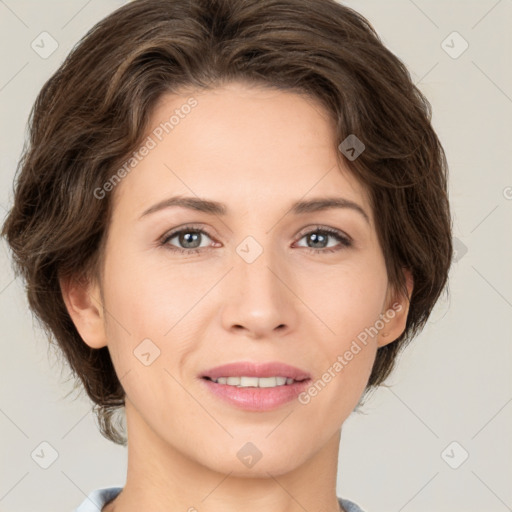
(397, 309)
(83, 302)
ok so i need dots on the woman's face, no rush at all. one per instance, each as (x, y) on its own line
(262, 282)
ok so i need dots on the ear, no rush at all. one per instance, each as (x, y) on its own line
(84, 304)
(395, 312)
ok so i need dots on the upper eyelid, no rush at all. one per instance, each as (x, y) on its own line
(173, 232)
(330, 230)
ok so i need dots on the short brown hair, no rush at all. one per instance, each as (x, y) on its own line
(94, 110)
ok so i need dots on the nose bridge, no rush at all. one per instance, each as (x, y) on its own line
(256, 266)
(259, 300)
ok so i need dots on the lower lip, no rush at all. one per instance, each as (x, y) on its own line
(257, 399)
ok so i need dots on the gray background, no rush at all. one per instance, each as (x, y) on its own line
(453, 383)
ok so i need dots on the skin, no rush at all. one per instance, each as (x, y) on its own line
(257, 150)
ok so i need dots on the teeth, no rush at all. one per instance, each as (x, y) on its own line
(254, 382)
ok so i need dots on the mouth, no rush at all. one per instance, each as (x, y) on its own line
(256, 386)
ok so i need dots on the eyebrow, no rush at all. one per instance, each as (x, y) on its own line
(220, 209)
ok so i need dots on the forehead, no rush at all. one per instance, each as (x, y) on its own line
(248, 140)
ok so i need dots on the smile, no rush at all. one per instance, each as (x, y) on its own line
(254, 382)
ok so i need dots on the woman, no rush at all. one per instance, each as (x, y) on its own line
(231, 215)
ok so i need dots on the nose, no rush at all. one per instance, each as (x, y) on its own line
(259, 298)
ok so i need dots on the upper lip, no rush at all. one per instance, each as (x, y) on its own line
(249, 369)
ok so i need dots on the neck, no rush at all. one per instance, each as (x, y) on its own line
(162, 478)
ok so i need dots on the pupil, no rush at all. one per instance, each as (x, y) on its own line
(185, 239)
(315, 237)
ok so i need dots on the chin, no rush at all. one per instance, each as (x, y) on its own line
(248, 461)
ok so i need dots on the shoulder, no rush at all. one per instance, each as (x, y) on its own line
(98, 498)
(349, 506)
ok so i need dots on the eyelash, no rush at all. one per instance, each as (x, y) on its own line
(344, 241)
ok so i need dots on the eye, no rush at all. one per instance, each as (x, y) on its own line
(319, 239)
(189, 238)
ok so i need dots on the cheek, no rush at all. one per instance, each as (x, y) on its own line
(347, 298)
(349, 305)
(151, 317)
(149, 300)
